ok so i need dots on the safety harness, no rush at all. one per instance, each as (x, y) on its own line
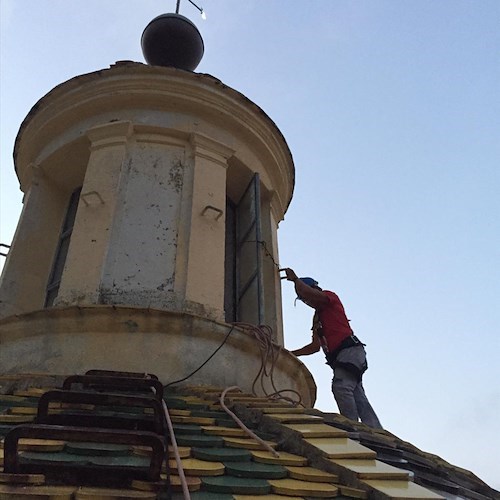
(331, 356)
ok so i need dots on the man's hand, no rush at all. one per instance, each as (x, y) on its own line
(311, 348)
(290, 274)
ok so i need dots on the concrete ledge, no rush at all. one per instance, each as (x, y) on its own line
(63, 340)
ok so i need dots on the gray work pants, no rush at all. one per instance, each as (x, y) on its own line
(349, 393)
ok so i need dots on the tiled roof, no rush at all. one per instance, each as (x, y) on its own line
(89, 445)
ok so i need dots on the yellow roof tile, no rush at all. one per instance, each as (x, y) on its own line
(372, 469)
(284, 409)
(223, 431)
(266, 497)
(306, 488)
(178, 413)
(184, 451)
(341, 448)
(192, 420)
(23, 410)
(137, 484)
(33, 392)
(193, 483)
(245, 399)
(88, 493)
(311, 474)
(37, 492)
(40, 445)
(191, 399)
(16, 419)
(267, 403)
(294, 419)
(402, 489)
(284, 458)
(246, 443)
(352, 492)
(22, 479)
(195, 467)
(317, 430)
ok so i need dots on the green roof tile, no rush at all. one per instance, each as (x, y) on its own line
(222, 454)
(98, 449)
(202, 440)
(256, 470)
(204, 495)
(187, 429)
(242, 486)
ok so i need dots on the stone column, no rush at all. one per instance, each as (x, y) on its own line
(82, 276)
(272, 281)
(27, 268)
(205, 252)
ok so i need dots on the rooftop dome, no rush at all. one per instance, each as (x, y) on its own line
(172, 40)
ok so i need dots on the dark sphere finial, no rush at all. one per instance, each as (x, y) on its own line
(172, 40)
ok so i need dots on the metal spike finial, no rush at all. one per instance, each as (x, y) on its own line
(202, 12)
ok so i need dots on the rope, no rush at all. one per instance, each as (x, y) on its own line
(266, 251)
(241, 424)
(206, 361)
(180, 469)
(269, 352)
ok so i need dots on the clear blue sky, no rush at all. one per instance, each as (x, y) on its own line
(391, 110)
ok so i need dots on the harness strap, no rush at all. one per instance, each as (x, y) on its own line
(351, 341)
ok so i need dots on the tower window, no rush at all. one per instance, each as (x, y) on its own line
(244, 297)
(62, 249)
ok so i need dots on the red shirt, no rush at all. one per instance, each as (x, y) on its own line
(334, 322)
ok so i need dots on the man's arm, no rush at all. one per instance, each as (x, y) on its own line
(312, 297)
(311, 348)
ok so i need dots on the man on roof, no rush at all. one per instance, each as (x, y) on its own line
(344, 352)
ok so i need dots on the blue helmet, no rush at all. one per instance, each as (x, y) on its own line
(309, 281)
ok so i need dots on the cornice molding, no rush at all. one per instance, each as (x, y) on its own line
(127, 87)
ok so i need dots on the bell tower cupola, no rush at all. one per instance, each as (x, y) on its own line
(152, 198)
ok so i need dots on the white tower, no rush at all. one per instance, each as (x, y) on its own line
(152, 201)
